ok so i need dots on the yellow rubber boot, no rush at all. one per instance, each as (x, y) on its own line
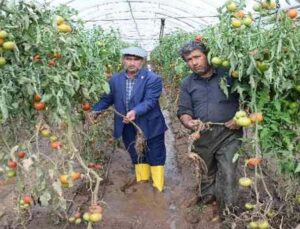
(158, 176)
(142, 172)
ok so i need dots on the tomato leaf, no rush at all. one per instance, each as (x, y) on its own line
(106, 88)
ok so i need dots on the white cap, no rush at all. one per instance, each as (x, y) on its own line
(135, 51)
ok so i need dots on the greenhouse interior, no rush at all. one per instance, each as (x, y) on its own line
(133, 114)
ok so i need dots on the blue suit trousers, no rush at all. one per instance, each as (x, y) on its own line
(155, 153)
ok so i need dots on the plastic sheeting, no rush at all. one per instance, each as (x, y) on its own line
(140, 21)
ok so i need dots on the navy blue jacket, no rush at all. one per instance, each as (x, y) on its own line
(144, 101)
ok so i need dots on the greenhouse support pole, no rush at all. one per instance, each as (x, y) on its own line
(162, 27)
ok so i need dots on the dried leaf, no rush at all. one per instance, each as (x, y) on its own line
(27, 163)
(14, 149)
(57, 187)
(44, 198)
(51, 173)
(235, 157)
(224, 86)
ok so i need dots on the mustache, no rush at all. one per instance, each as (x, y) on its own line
(202, 69)
(131, 66)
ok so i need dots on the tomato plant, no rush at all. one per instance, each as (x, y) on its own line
(52, 64)
(263, 60)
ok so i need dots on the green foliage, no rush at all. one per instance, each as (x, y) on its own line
(66, 69)
(65, 82)
(266, 56)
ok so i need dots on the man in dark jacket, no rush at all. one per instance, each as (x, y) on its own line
(135, 93)
(202, 100)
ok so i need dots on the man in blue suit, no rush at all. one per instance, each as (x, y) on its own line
(134, 92)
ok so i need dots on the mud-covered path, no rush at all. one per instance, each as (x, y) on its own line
(138, 205)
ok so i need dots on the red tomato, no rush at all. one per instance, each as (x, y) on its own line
(21, 154)
(56, 145)
(12, 164)
(36, 58)
(37, 98)
(39, 106)
(51, 63)
(27, 199)
(98, 166)
(56, 55)
(198, 38)
(91, 165)
(86, 106)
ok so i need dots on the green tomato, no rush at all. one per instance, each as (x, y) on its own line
(3, 34)
(216, 60)
(2, 61)
(95, 217)
(226, 64)
(72, 219)
(45, 133)
(256, 7)
(244, 121)
(253, 225)
(240, 114)
(86, 216)
(262, 66)
(231, 7)
(247, 21)
(297, 87)
(53, 138)
(263, 225)
(78, 221)
(249, 206)
(245, 181)
(293, 105)
(9, 45)
(11, 173)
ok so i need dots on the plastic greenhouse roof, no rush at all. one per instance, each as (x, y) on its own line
(140, 21)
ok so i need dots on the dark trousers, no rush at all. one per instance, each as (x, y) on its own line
(217, 148)
(155, 153)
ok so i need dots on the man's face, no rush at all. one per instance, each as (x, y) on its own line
(197, 62)
(132, 64)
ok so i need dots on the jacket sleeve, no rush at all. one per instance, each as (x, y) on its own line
(153, 90)
(105, 101)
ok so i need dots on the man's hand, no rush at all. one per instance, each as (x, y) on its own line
(91, 116)
(130, 116)
(194, 124)
(190, 123)
(231, 124)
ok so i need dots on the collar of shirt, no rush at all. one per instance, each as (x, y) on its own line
(132, 78)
